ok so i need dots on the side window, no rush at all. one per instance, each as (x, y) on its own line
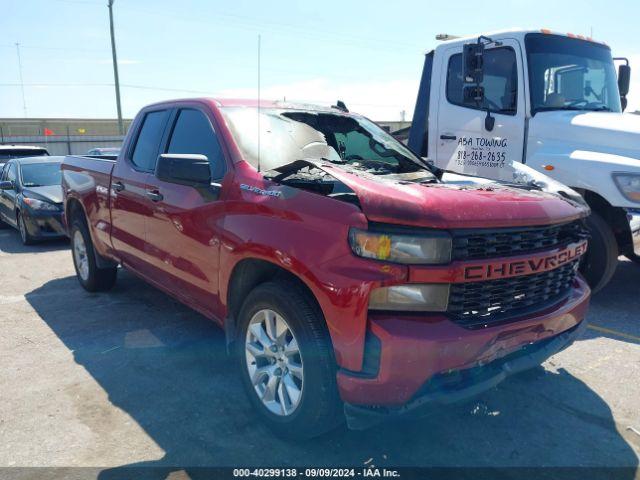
(12, 173)
(193, 133)
(145, 152)
(500, 81)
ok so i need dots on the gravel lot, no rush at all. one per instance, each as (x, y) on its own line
(132, 378)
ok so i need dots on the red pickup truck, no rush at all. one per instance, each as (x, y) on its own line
(347, 275)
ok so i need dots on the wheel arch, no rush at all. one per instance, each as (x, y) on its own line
(246, 275)
(75, 209)
(615, 217)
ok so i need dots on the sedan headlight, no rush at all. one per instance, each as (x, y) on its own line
(411, 298)
(629, 185)
(409, 249)
(40, 205)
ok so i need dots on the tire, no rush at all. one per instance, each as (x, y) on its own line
(317, 408)
(634, 258)
(92, 278)
(601, 259)
(26, 238)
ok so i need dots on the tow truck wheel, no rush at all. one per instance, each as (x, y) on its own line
(601, 259)
(286, 361)
(92, 278)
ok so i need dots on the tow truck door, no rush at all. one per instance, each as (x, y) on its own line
(463, 142)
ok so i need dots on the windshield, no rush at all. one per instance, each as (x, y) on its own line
(288, 135)
(571, 74)
(8, 154)
(40, 174)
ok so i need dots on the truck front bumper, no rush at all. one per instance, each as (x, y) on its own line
(427, 361)
(633, 217)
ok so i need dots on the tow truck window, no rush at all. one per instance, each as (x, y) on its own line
(145, 152)
(193, 133)
(500, 81)
(571, 74)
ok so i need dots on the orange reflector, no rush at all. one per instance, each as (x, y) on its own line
(545, 30)
(571, 35)
(548, 167)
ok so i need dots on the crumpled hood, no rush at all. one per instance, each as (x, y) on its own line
(441, 205)
(604, 132)
(51, 193)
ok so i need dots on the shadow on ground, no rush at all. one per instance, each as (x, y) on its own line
(11, 243)
(166, 367)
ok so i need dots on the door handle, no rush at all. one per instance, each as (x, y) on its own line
(448, 137)
(118, 186)
(154, 195)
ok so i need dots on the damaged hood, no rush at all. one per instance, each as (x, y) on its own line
(394, 199)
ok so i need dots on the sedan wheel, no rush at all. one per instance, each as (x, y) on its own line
(274, 362)
(24, 234)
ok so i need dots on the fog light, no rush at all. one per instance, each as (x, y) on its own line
(411, 298)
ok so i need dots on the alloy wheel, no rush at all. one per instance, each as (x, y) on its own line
(80, 255)
(274, 362)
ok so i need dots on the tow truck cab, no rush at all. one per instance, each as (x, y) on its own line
(554, 102)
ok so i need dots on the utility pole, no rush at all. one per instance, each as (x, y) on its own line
(24, 102)
(115, 68)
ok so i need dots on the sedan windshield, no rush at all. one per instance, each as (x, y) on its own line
(571, 74)
(40, 174)
(287, 135)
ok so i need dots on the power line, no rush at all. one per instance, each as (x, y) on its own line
(24, 101)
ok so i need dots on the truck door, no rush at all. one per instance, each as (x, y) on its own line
(463, 142)
(131, 206)
(183, 234)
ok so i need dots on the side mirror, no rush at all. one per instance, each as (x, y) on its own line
(184, 169)
(624, 79)
(472, 63)
(7, 185)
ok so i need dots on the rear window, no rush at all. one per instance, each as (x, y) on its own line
(8, 154)
(145, 152)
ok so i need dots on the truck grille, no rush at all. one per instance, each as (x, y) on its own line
(481, 304)
(478, 244)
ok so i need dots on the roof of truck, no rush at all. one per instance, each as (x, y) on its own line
(518, 32)
(248, 102)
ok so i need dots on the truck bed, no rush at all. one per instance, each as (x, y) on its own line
(87, 180)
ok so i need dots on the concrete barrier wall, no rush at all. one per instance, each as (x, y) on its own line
(66, 144)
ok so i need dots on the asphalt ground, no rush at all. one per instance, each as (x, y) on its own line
(131, 378)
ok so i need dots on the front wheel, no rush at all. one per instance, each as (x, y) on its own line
(601, 259)
(92, 278)
(286, 361)
(26, 238)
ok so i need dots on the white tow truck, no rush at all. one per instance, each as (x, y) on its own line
(554, 102)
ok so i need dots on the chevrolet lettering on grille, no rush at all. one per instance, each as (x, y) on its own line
(538, 264)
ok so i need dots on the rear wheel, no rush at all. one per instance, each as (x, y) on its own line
(26, 238)
(286, 361)
(92, 278)
(601, 259)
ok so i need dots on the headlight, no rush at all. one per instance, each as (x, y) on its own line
(429, 249)
(40, 205)
(411, 298)
(629, 185)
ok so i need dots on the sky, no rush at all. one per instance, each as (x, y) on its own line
(367, 53)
